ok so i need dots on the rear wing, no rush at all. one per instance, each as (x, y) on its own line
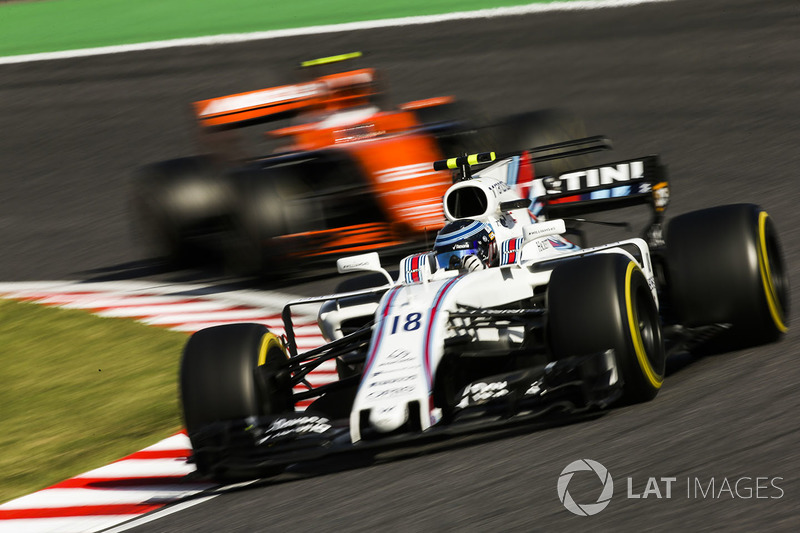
(242, 109)
(587, 190)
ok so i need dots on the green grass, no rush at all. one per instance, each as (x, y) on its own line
(79, 391)
(30, 27)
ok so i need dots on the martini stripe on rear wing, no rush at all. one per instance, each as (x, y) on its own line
(635, 181)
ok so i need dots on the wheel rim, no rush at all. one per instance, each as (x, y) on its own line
(644, 329)
(649, 331)
(773, 276)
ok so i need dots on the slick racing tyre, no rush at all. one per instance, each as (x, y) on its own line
(180, 204)
(271, 203)
(540, 128)
(724, 265)
(219, 381)
(603, 302)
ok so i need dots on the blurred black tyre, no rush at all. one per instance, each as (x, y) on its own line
(540, 128)
(454, 126)
(219, 379)
(603, 302)
(725, 265)
(179, 204)
(270, 203)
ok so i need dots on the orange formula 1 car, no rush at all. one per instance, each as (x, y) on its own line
(347, 177)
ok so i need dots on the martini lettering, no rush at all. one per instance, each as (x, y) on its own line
(588, 179)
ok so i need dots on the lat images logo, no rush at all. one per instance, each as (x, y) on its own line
(586, 509)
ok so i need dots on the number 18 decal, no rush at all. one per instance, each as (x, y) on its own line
(411, 322)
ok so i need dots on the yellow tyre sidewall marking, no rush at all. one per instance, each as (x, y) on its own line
(766, 276)
(652, 376)
(267, 342)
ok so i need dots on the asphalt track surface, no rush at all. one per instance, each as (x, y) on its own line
(712, 86)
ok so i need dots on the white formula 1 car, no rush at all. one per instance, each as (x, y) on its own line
(505, 319)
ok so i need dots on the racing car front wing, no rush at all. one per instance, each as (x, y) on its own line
(265, 445)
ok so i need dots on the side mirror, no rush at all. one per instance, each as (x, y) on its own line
(543, 229)
(370, 262)
(505, 207)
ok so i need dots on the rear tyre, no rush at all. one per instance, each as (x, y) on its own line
(271, 203)
(725, 265)
(603, 302)
(181, 204)
(219, 380)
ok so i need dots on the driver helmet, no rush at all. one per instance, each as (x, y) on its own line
(463, 238)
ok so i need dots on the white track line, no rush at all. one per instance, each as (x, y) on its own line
(71, 524)
(174, 508)
(578, 5)
(55, 498)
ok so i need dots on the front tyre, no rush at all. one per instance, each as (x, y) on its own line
(603, 302)
(231, 372)
(725, 265)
